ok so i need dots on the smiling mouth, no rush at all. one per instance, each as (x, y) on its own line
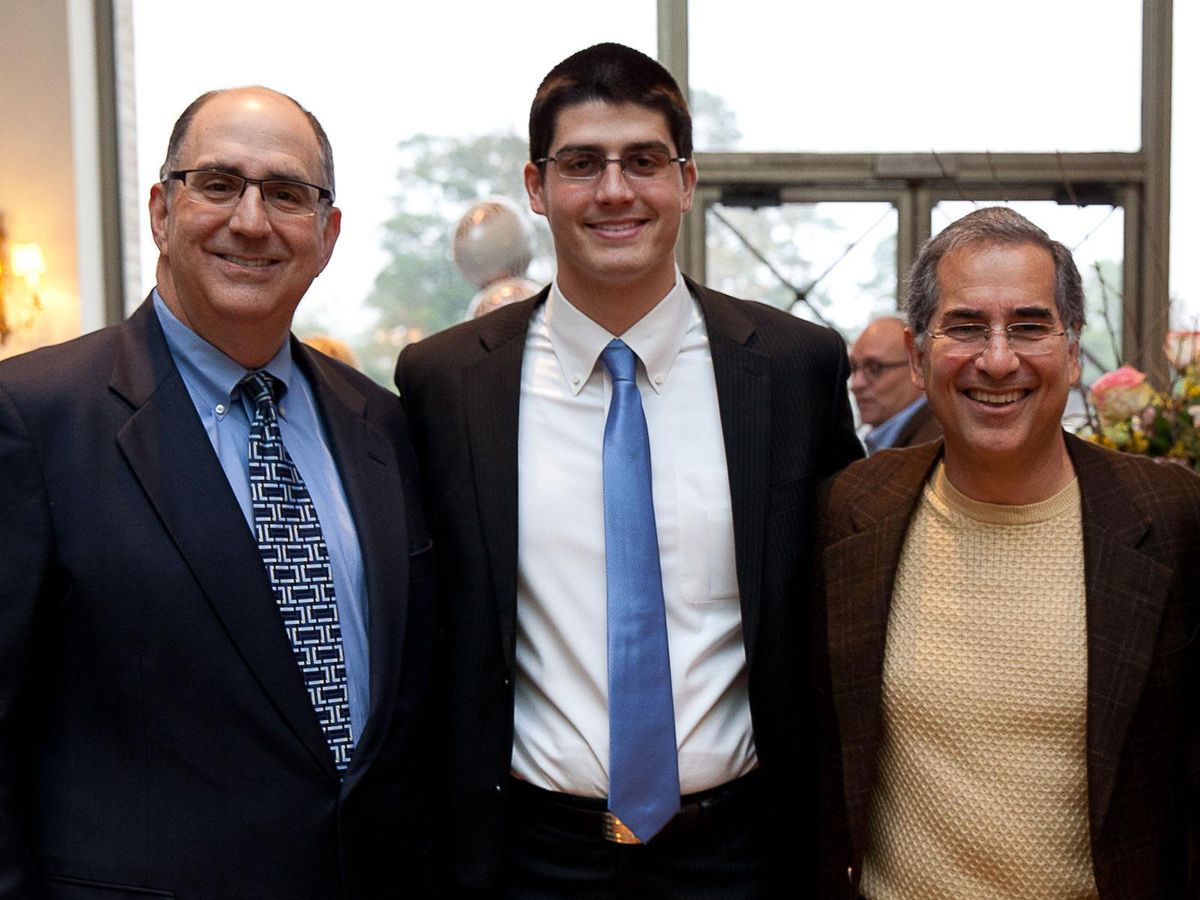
(996, 399)
(248, 263)
(616, 229)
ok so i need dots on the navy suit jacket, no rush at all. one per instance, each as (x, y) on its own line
(785, 416)
(156, 737)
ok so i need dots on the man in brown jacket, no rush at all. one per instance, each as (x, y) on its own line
(1007, 655)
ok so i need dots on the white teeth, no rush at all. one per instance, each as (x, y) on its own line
(616, 229)
(985, 397)
(251, 263)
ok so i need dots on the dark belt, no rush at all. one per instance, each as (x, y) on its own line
(731, 803)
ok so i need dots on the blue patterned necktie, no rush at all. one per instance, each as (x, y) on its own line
(643, 768)
(293, 550)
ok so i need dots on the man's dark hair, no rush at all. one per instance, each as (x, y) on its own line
(184, 122)
(991, 226)
(609, 73)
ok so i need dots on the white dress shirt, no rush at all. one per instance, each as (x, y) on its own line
(561, 737)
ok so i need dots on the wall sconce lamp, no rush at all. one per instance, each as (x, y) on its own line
(27, 263)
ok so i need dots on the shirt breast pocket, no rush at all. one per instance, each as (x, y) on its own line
(707, 565)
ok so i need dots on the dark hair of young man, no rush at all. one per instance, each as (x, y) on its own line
(609, 73)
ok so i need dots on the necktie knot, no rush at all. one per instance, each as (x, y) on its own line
(262, 388)
(619, 360)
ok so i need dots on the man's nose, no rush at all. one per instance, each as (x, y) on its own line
(612, 184)
(997, 358)
(250, 212)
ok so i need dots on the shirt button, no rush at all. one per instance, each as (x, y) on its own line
(499, 789)
(220, 409)
(658, 379)
(574, 379)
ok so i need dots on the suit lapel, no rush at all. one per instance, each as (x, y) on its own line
(492, 403)
(366, 462)
(172, 458)
(859, 574)
(1126, 593)
(743, 380)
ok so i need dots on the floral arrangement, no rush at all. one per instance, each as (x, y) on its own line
(1131, 416)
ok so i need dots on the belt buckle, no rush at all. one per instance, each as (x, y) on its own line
(617, 831)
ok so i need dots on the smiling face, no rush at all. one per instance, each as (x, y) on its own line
(235, 274)
(614, 237)
(1001, 413)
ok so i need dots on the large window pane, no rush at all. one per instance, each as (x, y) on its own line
(426, 106)
(947, 75)
(829, 262)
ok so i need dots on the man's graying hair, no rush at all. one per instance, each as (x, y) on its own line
(991, 226)
(184, 122)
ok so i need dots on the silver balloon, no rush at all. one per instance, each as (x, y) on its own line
(493, 240)
(499, 293)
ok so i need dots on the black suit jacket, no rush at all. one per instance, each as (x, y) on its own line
(1141, 521)
(155, 731)
(785, 415)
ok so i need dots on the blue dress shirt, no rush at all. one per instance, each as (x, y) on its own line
(211, 379)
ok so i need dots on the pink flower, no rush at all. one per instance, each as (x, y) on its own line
(1121, 394)
(1182, 348)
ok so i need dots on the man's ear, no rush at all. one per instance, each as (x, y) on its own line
(690, 176)
(158, 215)
(534, 186)
(329, 234)
(916, 359)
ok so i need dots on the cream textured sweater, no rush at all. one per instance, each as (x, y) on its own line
(981, 790)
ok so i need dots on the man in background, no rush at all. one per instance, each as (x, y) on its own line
(621, 474)
(215, 619)
(1009, 641)
(887, 399)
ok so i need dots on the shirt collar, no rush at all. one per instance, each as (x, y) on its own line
(655, 338)
(212, 374)
(885, 434)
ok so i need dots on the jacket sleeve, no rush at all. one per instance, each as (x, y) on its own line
(25, 548)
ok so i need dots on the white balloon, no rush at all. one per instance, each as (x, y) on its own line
(493, 240)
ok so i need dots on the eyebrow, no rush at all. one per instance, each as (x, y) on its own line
(628, 148)
(274, 175)
(1020, 312)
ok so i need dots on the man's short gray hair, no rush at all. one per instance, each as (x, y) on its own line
(992, 225)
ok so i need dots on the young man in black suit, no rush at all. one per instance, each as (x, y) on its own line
(626, 629)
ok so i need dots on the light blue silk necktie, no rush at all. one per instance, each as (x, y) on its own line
(643, 762)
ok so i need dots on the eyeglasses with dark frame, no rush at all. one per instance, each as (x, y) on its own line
(293, 198)
(587, 165)
(1024, 338)
(873, 368)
